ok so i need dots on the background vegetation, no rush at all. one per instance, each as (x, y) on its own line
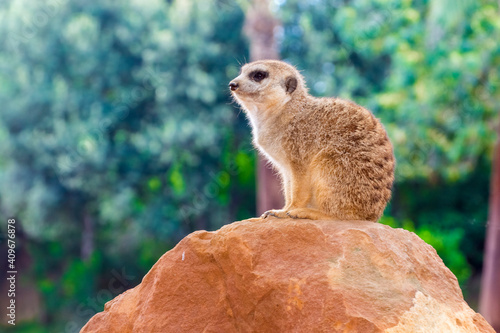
(118, 136)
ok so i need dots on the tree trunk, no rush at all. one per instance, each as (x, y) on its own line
(87, 246)
(259, 27)
(490, 287)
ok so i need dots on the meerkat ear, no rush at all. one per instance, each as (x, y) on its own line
(290, 84)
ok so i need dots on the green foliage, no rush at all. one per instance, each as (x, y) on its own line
(125, 99)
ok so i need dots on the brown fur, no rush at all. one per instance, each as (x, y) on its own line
(334, 156)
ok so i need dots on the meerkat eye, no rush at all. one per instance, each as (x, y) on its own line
(258, 76)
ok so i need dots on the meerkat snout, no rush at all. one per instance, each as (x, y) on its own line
(233, 86)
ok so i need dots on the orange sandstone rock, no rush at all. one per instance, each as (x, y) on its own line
(284, 275)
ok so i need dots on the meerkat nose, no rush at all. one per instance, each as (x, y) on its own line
(233, 86)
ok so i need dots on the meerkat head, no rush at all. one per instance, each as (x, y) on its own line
(267, 85)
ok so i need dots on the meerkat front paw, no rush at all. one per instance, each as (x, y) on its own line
(308, 213)
(279, 213)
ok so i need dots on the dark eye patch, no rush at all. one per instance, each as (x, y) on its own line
(258, 76)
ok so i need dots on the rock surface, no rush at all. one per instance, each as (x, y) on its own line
(284, 275)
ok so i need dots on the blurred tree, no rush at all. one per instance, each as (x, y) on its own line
(260, 26)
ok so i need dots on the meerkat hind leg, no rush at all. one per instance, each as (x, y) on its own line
(305, 205)
(298, 195)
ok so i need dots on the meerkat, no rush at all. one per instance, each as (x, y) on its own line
(334, 157)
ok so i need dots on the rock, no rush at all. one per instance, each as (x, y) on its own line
(284, 275)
